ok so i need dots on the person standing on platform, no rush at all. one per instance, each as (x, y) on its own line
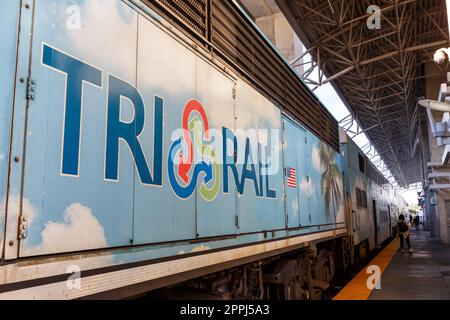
(403, 230)
(417, 222)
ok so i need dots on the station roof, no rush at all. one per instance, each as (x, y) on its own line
(379, 73)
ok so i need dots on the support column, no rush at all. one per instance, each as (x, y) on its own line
(273, 24)
(438, 209)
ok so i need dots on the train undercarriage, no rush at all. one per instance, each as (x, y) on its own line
(304, 274)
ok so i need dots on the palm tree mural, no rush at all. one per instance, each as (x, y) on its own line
(330, 181)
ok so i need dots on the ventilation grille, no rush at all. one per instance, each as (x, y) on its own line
(222, 28)
(191, 13)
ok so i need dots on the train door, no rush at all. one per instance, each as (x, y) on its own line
(8, 48)
(322, 211)
(161, 214)
(215, 91)
(295, 172)
(375, 221)
(260, 194)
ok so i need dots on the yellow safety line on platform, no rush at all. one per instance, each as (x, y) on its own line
(357, 289)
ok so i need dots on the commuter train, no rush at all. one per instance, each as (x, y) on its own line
(137, 154)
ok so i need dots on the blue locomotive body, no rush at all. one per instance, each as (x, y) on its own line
(128, 152)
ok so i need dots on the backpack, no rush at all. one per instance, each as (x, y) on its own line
(403, 228)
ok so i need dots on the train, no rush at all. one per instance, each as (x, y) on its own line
(146, 145)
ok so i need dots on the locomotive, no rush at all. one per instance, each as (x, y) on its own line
(148, 144)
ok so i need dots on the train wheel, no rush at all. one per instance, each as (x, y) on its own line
(324, 268)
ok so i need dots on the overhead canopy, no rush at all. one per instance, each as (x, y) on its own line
(378, 73)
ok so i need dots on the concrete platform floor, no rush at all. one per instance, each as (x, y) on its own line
(423, 275)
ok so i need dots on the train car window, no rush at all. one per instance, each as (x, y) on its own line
(358, 198)
(384, 216)
(362, 163)
(364, 199)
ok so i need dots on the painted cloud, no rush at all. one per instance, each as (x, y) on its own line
(80, 230)
(307, 187)
(317, 164)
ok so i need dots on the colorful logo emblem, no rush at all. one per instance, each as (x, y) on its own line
(192, 156)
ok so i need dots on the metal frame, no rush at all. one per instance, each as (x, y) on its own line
(375, 72)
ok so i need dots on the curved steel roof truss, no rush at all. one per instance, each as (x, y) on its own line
(376, 72)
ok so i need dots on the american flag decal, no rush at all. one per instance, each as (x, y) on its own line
(291, 175)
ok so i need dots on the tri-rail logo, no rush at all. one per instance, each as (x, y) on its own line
(199, 158)
(196, 121)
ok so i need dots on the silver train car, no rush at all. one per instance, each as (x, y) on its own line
(148, 144)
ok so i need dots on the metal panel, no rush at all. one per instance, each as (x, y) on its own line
(15, 203)
(215, 91)
(297, 198)
(181, 76)
(92, 212)
(325, 183)
(8, 47)
(254, 112)
(170, 73)
(314, 175)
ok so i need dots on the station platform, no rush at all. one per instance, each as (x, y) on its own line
(422, 275)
